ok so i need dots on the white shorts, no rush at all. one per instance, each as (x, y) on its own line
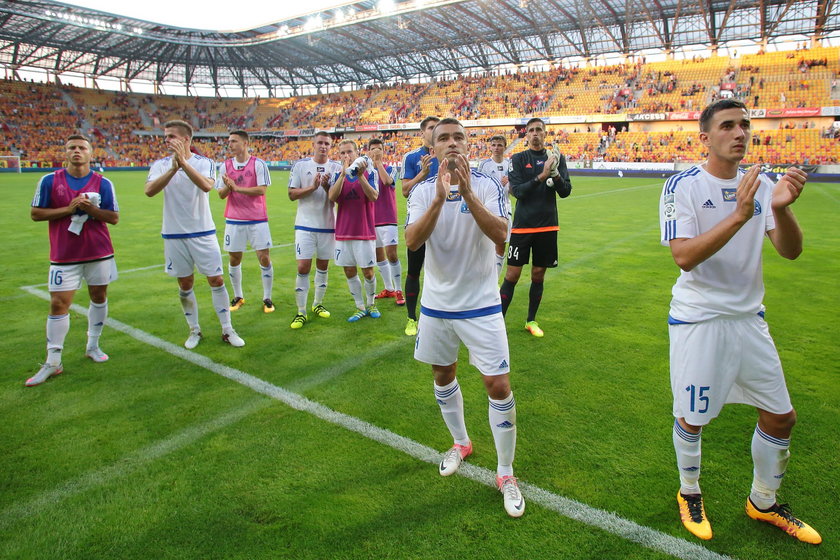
(186, 254)
(386, 236)
(485, 337)
(68, 277)
(238, 236)
(356, 252)
(722, 361)
(317, 244)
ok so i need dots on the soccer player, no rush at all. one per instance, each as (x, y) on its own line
(243, 180)
(460, 215)
(535, 222)
(355, 232)
(77, 203)
(189, 234)
(309, 184)
(385, 212)
(497, 166)
(417, 166)
(714, 218)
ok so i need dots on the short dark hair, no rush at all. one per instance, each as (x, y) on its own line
(77, 137)
(323, 133)
(375, 142)
(498, 138)
(533, 120)
(427, 120)
(447, 120)
(183, 125)
(719, 105)
(241, 133)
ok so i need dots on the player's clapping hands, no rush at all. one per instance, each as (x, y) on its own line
(463, 176)
(229, 183)
(180, 152)
(425, 164)
(745, 194)
(789, 187)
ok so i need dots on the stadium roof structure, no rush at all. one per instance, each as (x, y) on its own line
(373, 42)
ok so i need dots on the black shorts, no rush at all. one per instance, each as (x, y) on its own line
(543, 244)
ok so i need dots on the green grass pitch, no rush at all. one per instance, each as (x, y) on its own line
(151, 456)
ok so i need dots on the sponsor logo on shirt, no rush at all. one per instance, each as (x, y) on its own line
(709, 204)
(728, 194)
(320, 169)
(453, 196)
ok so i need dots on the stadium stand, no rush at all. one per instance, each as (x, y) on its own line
(803, 79)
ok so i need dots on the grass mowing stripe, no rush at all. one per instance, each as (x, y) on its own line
(610, 522)
(615, 191)
(128, 464)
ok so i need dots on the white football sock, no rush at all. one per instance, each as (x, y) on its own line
(396, 275)
(302, 292)
(502, 416)
(355, 286)
(97, 314)
(320, 286)
(190, 306)
(451, 403)
(385, 272)
(770, 458)
(221, 303)
(57, 328)
(687, 448)
(370, 290)
(235, 274)
(268, 280)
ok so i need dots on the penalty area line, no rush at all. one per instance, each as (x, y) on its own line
(572, 509)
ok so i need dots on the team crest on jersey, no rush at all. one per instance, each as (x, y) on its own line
(453, 196)
(728, 194)
(464, 208)
(757, 208)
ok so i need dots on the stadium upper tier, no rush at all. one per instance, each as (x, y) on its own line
(36, 117)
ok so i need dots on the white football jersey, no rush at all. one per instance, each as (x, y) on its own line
(730, 281)
(495, 170)
(461, 276)
(186, 208)
(315, 212)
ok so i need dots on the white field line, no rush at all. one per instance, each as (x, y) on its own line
(607, 521)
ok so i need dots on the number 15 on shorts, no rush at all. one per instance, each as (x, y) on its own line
(698, 398)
